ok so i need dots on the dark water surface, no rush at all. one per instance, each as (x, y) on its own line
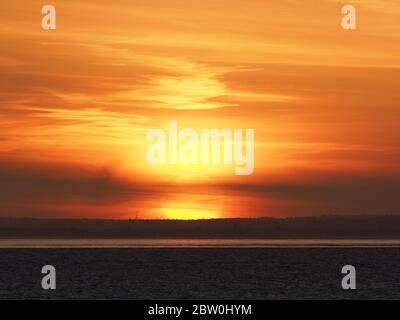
(200, 273)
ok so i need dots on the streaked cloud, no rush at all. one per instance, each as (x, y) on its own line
(84, 96)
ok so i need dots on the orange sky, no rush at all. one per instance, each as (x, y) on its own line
(76, 103)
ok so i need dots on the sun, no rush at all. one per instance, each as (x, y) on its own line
(190, 211)
(186, 202)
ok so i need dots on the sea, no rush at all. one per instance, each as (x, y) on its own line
(217, 269)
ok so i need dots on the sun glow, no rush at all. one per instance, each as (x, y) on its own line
(190, 211)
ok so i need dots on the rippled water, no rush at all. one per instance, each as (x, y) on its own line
(200, 273)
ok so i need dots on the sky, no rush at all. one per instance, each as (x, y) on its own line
(76, 104)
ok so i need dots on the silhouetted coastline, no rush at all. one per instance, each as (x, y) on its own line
(322, 227)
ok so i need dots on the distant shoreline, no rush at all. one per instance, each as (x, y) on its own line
(194, 243)
(360, 227)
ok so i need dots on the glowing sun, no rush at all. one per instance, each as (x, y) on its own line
(190, 211)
